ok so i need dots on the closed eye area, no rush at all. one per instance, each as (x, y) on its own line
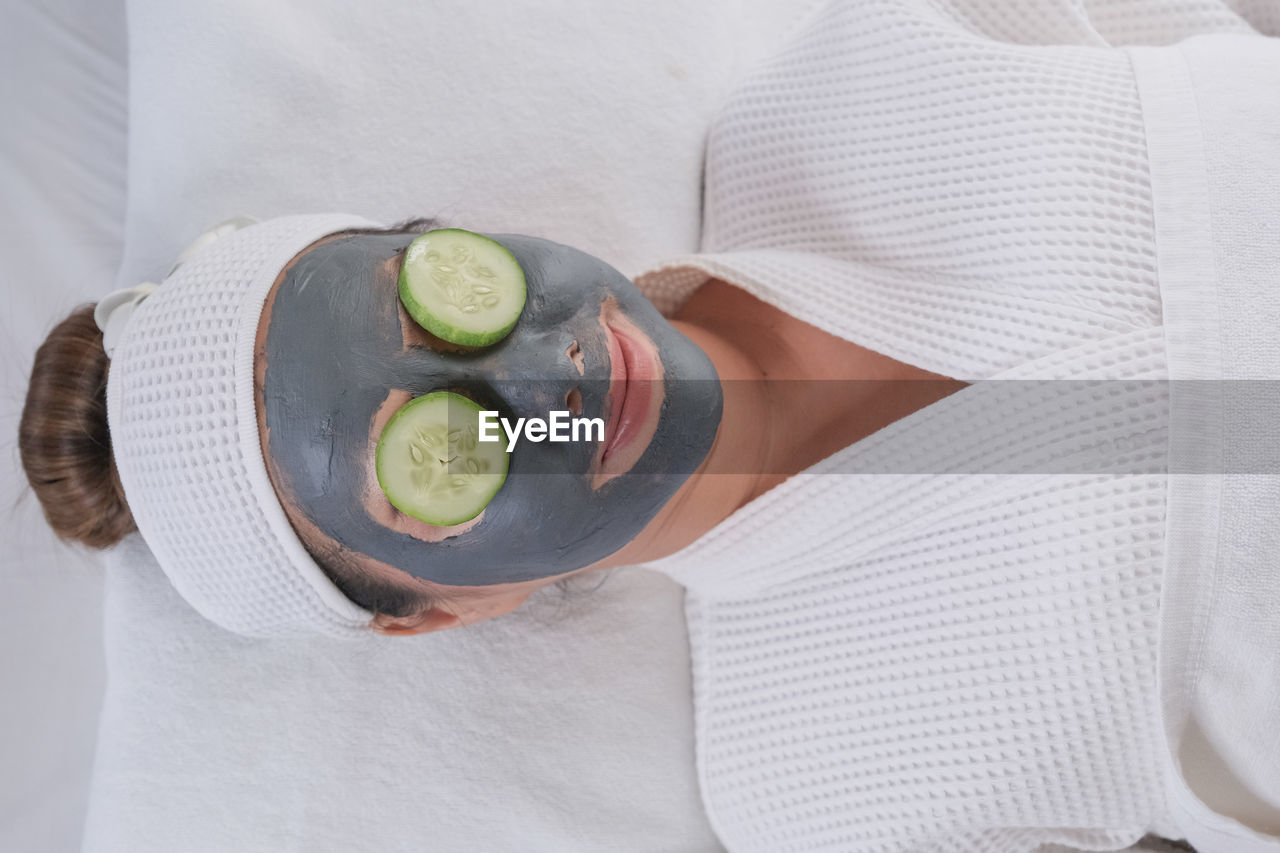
(377, 503)
(463, 287)
(414, 334)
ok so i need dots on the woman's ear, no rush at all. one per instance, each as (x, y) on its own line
(432, 619)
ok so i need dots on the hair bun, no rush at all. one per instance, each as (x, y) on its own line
(63, 437)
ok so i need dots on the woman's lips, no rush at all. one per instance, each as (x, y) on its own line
(630, 389)
(617, 388)
(635, 396)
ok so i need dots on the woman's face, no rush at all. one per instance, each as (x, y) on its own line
(338, 355)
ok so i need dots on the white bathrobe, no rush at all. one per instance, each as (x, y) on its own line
(1031, 613)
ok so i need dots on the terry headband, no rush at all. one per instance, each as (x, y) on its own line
(184, 433)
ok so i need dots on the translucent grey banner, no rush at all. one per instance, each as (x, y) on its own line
(843, 427)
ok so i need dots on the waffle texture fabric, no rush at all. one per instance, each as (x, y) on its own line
(962, 633)
(184, 433)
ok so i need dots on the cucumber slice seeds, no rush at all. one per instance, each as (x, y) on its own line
(432, 465)
(462, 287)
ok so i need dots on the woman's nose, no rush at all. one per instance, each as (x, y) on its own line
(573, 397)
(537, 379)
(530, 378)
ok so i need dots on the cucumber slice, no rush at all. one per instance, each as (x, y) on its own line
(432, 465)
(462, 287)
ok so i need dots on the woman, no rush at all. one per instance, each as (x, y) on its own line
(338, 295)
(942, 658)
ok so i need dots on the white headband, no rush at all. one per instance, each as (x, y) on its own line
(184, 433)
(113, 311)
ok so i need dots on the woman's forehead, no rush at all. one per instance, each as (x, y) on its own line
(292, 334)
(352, 241)
(328, 283)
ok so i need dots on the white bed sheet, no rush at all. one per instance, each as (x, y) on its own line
(62, 186)
(557, 728)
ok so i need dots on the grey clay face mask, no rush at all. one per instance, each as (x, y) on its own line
(334, 354)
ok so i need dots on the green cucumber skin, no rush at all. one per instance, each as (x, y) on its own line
(438, 520)
(432, 322)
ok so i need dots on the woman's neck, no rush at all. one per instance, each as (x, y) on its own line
(793, 395)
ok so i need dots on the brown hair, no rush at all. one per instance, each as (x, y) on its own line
(63, 438)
